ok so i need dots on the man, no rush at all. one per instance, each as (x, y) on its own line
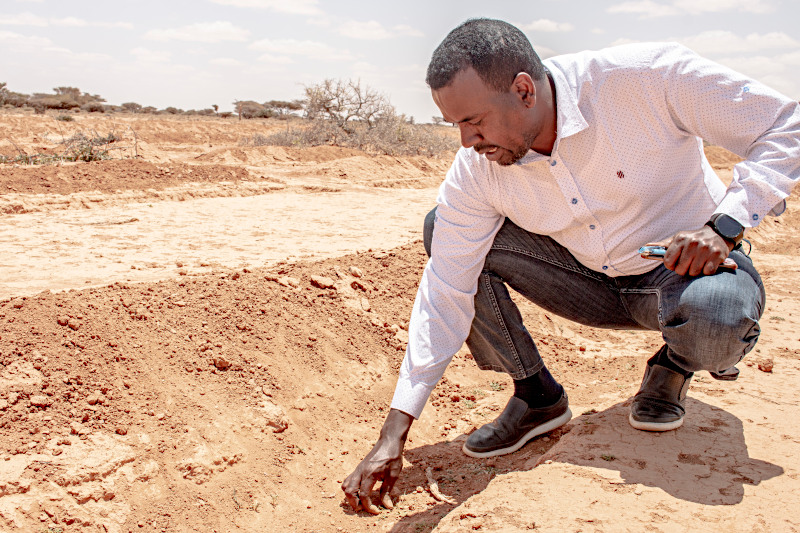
(568, 167)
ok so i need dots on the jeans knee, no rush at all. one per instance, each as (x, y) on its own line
(712, 330)
(427, 230)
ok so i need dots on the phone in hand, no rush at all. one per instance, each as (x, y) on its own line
(657, 252)
(650, 251)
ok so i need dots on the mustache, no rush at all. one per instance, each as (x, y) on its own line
(480, 148)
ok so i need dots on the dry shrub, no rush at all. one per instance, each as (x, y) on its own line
(390, 135)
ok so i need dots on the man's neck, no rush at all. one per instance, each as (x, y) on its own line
(546, 139)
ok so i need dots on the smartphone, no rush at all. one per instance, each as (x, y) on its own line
(653, 252)
(657, 253)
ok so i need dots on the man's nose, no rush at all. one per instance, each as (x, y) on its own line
(469, 135)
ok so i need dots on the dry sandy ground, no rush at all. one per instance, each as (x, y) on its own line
(235, 393)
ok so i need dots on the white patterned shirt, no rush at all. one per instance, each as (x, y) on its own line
(627, 168)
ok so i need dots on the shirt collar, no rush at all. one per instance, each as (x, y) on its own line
(569, 119)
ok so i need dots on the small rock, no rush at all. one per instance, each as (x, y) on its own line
(288, 281)
(275, 417)
(94, 398)
(3, 405)
(765, 365)
(322, 282)
(73, 324)
(365, 305)
(76, 428)
(63, 320)
(40, 401)
(122, 431)
(17, 304)
(221, 363)
(355, 272)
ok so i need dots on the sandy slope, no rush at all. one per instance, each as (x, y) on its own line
(234, 395)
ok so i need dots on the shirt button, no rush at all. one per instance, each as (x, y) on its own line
(574, 201)
(591, 226)
(605, 267)
(755, 217)
(553, 163)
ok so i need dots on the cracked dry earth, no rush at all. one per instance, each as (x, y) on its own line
(190, 381)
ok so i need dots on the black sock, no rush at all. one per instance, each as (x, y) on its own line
(538, 390)
(661, 358)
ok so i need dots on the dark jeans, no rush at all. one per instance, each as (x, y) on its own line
(707, 322)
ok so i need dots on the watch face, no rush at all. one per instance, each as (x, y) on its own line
(728, 227)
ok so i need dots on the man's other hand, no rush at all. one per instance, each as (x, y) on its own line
(697, 252)
(384, 462)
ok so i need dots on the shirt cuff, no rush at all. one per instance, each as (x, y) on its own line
(410, 397)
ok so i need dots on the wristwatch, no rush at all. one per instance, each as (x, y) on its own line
(726, 227)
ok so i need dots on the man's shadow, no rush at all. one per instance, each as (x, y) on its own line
(706, 461)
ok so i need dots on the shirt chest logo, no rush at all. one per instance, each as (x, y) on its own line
(620, 174)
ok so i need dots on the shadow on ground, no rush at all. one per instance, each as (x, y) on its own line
(706, 461)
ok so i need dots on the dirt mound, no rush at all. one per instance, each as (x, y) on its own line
(113, 176)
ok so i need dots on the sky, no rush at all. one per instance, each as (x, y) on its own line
(192, 54)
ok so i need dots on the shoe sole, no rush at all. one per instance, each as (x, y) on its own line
(550, 425)
(654, 426)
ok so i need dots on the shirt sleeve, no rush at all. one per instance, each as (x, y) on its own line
(444, 307)
(744, 116)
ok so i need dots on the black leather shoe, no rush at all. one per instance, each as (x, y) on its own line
(515, 426)
(658, 406)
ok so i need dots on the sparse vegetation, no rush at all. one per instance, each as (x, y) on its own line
(79, 147)
(343, 113)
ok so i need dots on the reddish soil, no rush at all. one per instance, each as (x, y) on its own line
(239, 399)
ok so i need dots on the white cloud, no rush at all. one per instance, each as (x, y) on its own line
(24, 41)
(29, 19)
(81, 23)
(623, 40)
(719, 6)
(544, 52)
(653, 9)
(85, 58)
(292, 7)
(274, 60)
(23, 19)
(203, 32)
(373, 30)
(546, 25)
(145, 55)
(227, 62)
(405, 29)
(725, 42)
(313, 49)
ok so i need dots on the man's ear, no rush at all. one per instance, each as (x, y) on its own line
(524, 88)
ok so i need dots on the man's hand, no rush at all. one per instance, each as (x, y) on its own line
(384, 462)
(696, 252)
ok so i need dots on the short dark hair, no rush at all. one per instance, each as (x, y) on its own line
(496, 50)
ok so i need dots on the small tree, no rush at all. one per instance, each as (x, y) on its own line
(284, 108)
(249, 109)
(346, 101)
(132, 107)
